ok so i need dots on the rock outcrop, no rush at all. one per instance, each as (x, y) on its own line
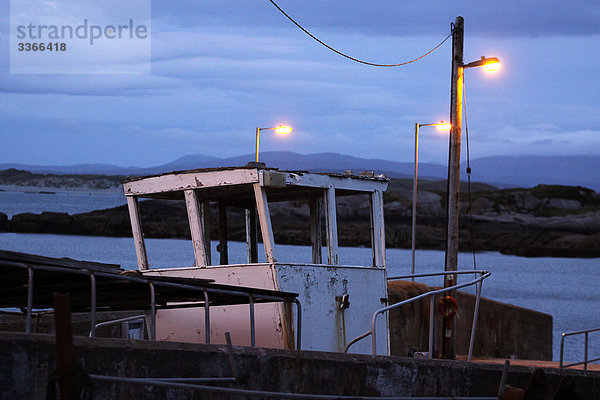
(556, 221)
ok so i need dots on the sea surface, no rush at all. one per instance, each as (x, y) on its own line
(37, 200)
(566, 288)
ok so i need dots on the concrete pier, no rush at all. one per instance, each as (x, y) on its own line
(26, 360)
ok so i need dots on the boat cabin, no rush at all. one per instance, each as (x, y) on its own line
(337, 301)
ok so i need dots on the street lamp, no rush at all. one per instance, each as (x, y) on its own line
(441, 126)
(280, 130)
(453, 192)
(490, 64)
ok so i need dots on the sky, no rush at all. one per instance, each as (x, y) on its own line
(218, 69)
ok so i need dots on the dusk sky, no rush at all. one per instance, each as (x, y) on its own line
(221, 68)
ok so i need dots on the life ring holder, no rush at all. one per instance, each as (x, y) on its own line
(448, 306)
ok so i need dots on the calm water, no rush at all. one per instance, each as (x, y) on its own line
(17, 202)
(565, 288)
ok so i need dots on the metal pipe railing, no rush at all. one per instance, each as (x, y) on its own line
(152, 284)
(475, 319)
(93, 304)
(299, 321)
(115, 322)
(252, 322)
(372, 332)
(152, 311)
(262, 393)
(206, 317)
(585, 361)
(29, 298)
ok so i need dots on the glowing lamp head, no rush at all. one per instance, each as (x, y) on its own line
(492, 66)
(488, 63)
(443, 126)
(283, 130)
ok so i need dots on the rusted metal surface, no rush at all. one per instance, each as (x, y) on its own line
(326, 323)
(253, 188)
(188, 325)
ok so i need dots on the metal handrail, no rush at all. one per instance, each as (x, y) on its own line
(151, 283)
(585, 361)
(482, 275)
(116, 322)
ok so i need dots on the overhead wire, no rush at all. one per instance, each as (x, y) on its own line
(354, 58)
(471, 223)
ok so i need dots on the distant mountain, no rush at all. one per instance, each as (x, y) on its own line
(320, 162)
(524, 171)
(102, 169)
(189, 162)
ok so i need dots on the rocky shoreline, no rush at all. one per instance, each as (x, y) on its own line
(544, 221)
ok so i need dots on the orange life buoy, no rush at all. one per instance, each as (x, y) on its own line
(448, 306)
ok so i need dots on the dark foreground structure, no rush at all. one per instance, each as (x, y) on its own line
(27, 361)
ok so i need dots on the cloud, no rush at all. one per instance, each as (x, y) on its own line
(88, 85)
(515, 141)
(396, 18)
(220, 69)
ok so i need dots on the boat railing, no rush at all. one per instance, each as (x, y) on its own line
(478, 282)
(134, 318)
(201, 291)
(585, 361)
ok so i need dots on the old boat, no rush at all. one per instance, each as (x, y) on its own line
(337, 301)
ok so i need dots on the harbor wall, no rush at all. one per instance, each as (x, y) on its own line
(26, 361)
(503, 330)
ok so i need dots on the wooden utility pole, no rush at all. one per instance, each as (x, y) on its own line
(453, 191)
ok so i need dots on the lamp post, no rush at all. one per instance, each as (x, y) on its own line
(280, 130)
(453, 191)
(441, 126)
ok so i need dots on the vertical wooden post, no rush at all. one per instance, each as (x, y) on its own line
(331, 225)
(413, 231)
(453, 203)
(64, 343)
(251, 236)
(224, 258)
(378, 228)
(316, 235)
(138, 236)
(264, 218)
(196, 228)
(205, 218)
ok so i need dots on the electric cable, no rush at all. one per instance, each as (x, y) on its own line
(472, 228)
(354, 58)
